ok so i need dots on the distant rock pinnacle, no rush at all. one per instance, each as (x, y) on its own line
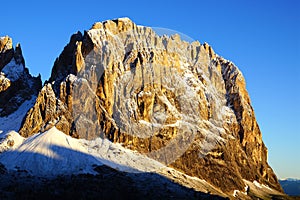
(16, 84)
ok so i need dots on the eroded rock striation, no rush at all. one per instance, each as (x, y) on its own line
(16, 83)
(178, 102)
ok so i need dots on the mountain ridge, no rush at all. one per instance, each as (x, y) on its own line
(291, 186)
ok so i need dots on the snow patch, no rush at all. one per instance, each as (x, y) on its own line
(71, 77)
(235, 192)
(12, 140)
(257, 184)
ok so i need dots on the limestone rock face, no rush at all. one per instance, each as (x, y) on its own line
(16, 84)
(6, 51)
(176, 102)
(4, 82)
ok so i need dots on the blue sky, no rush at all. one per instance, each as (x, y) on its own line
(261, 37)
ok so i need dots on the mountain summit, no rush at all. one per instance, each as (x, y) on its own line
(177, 103)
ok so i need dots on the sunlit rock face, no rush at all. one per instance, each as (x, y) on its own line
(177, 102)
(16, 84)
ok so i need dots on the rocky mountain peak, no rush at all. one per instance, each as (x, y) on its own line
(177, 102)
(18, 56)
(6, 51)
(16, 84)
(115, 26)
(5, 43)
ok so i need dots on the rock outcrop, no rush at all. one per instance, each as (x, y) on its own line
(178, 102)
(16, 84)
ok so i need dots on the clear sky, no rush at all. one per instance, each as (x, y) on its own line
(261, 37)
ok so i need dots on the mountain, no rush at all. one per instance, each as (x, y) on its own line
(16, 83)
(122, 96)
(291, 186)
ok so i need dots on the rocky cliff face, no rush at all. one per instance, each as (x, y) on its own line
(16, 84)
(177, 102)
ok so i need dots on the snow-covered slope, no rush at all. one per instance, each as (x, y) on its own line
(13, 121)
(120, 158)
(53, 153)
(9, 125)
(49, 153)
